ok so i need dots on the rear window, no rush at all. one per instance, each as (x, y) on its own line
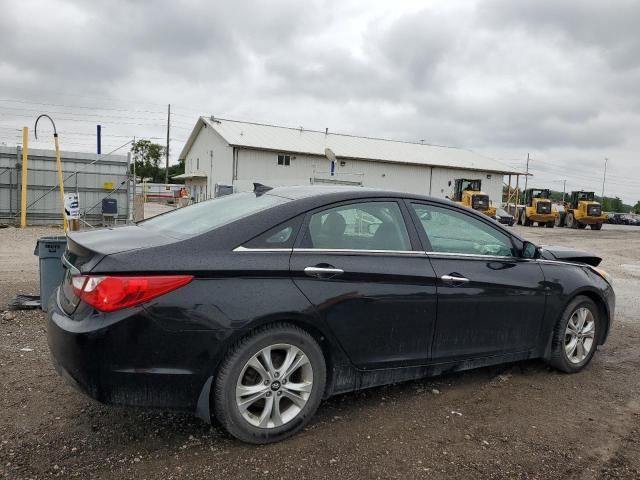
(201, 217)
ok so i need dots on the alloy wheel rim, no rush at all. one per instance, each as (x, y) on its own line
(274, 386)
(580, 335)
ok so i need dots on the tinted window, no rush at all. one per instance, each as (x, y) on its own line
(451, 231)
(204, 216)
(359, 226)
(281, 236)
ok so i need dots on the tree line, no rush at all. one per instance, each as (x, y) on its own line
(148, 158)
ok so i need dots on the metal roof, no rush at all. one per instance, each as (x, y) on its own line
(313, 142)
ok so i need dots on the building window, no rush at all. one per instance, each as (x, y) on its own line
(284, 160)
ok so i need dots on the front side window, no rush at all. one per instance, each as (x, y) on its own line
(359, 226)
(450, 231)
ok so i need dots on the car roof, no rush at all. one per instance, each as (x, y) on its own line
(348, 192)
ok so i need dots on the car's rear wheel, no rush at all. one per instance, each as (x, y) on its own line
(270, 384)
(575, 336)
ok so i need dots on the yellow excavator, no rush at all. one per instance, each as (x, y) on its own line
(537, 208)
(583, 210)
(469, 193)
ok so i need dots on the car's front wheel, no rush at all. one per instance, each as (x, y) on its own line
(575, 336)
(270, 384)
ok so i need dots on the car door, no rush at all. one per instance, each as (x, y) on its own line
(490, 301)
(375, 289)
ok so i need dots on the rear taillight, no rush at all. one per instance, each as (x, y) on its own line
(110, 293)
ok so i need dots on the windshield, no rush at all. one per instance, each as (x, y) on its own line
(540, 193)
(201, 217)
(585, 196)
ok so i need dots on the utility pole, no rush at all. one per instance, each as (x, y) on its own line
(166, 171)
(564, 189)
(604, 177)
(526, 177)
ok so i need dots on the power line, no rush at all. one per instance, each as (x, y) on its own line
(7, 100)
(78, 120)
(78, 114)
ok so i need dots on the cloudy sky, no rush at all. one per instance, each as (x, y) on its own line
(557, 80)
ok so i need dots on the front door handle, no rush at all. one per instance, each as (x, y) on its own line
(454, 279)
(323, 272)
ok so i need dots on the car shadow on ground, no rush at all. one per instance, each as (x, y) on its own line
(119, 426)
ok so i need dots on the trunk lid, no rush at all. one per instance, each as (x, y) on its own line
(86, 249)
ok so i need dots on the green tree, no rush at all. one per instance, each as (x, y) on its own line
(636, 207)
(147, 156)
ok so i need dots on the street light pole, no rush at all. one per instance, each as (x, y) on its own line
(604, 177)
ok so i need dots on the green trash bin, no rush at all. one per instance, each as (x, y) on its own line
(50, 250)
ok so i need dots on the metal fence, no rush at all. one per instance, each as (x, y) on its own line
(93, 177)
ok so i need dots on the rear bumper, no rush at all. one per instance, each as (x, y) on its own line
(126, 360)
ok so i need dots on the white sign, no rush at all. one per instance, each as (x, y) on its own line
(71, 206)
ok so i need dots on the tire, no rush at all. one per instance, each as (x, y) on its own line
(581, 226)
(596, 226)
(558, 221)
(560, 357)
(551, 224)
(571, 221)
(280, 342)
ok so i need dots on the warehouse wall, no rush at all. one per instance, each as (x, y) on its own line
(213, 156)
(261, 166)
(42, 175)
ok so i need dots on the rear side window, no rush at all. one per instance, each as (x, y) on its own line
(281, 236)
(201, 217)
(358, 226)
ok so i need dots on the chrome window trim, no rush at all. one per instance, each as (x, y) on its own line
(259, 250)
(470, 255)
(358, 251)
(332, 250)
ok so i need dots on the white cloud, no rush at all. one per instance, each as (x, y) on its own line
(554, 79)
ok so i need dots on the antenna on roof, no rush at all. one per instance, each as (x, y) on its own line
(259, 188)
(214, 119)
(326, 131)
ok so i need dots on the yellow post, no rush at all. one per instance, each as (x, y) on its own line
(60, 181)
(23, 197)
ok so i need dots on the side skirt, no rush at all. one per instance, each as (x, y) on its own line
(347, 379)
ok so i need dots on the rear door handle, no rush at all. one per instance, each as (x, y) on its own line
(323, 272)
(454, 279)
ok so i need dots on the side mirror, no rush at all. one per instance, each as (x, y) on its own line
(529, 250)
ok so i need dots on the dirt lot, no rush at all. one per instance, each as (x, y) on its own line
(515, 421)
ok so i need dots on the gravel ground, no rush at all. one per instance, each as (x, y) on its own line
(515, 421)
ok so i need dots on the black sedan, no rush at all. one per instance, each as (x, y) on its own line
(253, 307)
(504, 217)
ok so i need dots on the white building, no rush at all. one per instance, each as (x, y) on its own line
(226, 154)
